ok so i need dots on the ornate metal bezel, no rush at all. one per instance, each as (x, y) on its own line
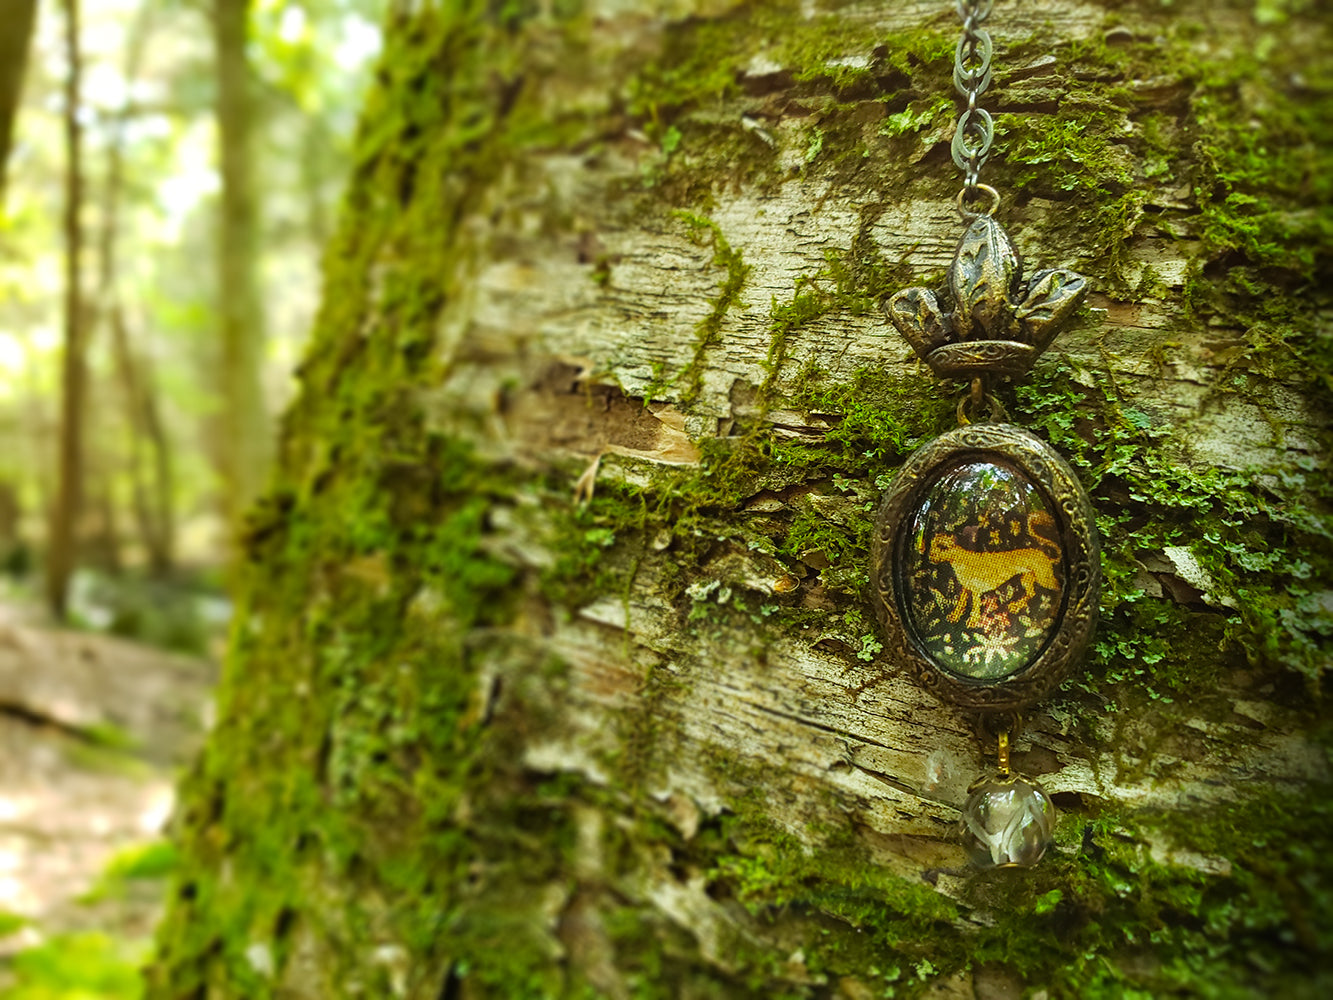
(1077, 528)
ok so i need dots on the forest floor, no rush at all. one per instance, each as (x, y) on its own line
(94, 731)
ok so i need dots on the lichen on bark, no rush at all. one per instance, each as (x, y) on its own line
(555, 673)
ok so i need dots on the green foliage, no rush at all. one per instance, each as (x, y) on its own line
(152, 860)
(181, 614)
(149, 179)
(145, 862)
(82, 966)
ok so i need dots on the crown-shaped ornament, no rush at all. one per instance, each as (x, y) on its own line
(999, 324)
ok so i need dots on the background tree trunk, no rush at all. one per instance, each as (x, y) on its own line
(19, 18)
(244, 449)
(556, 672)
(149, 459)
(63, 537)
(149, 452)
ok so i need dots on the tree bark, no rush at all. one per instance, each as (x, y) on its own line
(245, 448)
(62, 543)
(556, 671)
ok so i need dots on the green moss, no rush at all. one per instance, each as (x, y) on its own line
(1126, 920)
(1265, 158)
(708, 332)
(695, 100)
(702, 60)
(699, 62)
(347, 764)
(854, 281)
(1067, 151)
(1262, 537)
(1106, 916)
(153, 860)
(915, 117)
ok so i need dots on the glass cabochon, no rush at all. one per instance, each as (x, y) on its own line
(982, 570)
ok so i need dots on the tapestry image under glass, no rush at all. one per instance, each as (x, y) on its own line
(982, 570)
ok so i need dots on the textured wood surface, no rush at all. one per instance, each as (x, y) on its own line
(606, 327)
(897, 761)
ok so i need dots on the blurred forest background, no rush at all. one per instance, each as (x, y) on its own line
(169, 170)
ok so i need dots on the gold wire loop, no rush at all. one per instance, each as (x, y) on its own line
(986, 189)
(1002, 750)
(970, 400)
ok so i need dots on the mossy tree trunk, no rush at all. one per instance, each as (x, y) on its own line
(556, 672)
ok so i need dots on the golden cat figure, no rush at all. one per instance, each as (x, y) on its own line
(979, 573)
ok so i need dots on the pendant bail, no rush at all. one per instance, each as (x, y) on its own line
(970, 189)
(969, 406)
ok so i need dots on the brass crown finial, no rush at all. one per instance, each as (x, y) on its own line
(998, 325)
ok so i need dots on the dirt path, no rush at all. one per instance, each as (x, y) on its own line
(93, 731)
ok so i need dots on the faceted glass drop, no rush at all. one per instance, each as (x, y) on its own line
(983, 571)
(1007, 820)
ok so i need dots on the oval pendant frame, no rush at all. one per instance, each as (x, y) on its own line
(1077, 529)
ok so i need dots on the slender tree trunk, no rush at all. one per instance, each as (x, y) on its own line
(245, 447)
(62, 544)
(557, 674)
(42, 429)
(19, 18)
(150, 450)
(149, 457)
(161, 501)
(100, 536)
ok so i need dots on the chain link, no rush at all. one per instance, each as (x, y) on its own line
(971, 76)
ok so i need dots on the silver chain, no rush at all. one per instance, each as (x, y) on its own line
(971, 76)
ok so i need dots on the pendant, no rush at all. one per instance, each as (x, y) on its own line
(986, 567)
(985, 561)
